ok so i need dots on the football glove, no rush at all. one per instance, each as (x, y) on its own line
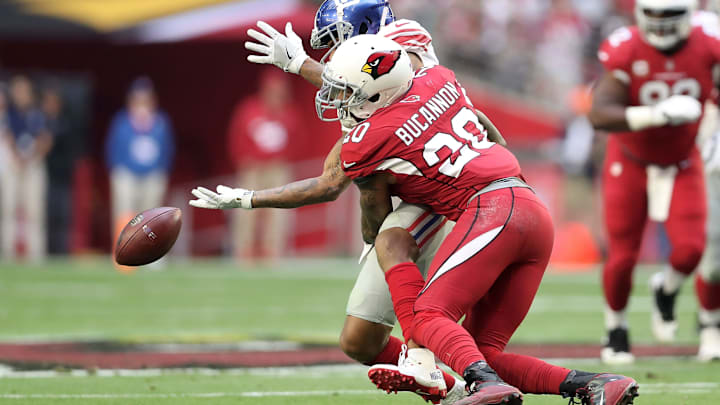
(680, 109)
(225, 198)
(284, 51)
(674, 110)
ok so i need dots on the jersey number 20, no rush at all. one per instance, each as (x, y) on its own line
(466, 151)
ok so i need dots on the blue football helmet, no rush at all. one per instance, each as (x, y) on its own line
(338, 20)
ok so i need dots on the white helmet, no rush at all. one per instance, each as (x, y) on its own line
(664, 23)
(366, 73)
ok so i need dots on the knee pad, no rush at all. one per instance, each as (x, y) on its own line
(685, 258)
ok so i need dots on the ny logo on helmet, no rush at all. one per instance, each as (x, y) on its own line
(381, 63)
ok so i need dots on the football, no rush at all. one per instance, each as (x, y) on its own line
(148, 236)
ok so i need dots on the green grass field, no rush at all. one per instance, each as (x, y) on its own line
(208, 301)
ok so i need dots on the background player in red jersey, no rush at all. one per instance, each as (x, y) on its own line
(420, 140)
(658, 73)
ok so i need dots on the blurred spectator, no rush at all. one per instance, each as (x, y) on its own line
(261, 142)
(60, 164)
(24, 180)
(139, 153)
(4, 148)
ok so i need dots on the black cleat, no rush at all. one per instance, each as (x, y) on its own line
(617, 348)
(664, 325)
(607, 389)
(485, 387)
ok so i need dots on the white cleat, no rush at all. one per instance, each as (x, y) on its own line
(456, 393)
(662, 319)
(416, 372)
(709, 344)
(663, 331)
(609, 356)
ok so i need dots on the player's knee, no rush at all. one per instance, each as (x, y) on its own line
(621, 262)
(686, 257)
(395, 246)
(358, 349)
(362, 344)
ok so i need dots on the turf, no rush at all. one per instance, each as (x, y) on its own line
(303, 300)
(220, 301)
(662, 382)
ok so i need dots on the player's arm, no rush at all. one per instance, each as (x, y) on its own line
(609, 104)
(493, 133)
(284, 51)
(610, 110)
(375, 204)
(326, 187)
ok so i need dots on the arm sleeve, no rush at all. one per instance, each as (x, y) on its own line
(615, 53)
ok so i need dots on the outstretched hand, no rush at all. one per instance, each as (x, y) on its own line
(225, 198)
(284, 51)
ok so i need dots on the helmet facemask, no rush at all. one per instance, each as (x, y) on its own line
(339, 95)
(352, 104)
(331, 35)
(664, 28)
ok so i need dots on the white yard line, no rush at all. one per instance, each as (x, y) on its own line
(250, 394)
(310, 371)
(648, 388)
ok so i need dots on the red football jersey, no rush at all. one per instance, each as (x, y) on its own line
(652, 76)
(432, 142)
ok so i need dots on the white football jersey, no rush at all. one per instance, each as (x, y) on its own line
(413, 38)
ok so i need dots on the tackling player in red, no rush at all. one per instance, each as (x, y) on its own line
(420, 140)
(658, 74)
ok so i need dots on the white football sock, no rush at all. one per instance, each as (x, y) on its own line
(615, 319)
(709, 317)
(672, 280)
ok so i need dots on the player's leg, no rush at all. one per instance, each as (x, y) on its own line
(484, 242)
(409, 233)
(685, 227)
(495, 318)
(397, 252)
(518, 253)
(625, 210)
(708, 277)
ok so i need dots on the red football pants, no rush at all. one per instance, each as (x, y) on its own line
(489, 268)
(625, 207)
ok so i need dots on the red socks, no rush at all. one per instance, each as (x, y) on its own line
(708, 294)
(405, 282)
(390, 354)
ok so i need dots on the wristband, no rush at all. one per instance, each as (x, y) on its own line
(296, 63)
(642, 117)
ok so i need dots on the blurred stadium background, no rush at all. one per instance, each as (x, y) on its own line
(68, 316)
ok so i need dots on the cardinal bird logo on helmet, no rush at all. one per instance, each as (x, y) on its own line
(381, 63)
